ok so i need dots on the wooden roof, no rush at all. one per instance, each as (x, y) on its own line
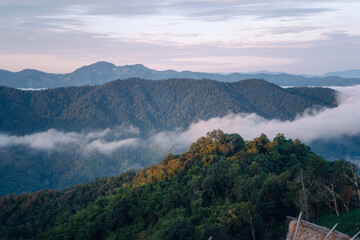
(307, 231)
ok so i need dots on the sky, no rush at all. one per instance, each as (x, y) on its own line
(299, 37)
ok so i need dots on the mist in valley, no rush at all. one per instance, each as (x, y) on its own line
(61, 159)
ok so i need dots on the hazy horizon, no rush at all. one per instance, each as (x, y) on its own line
(262, 71)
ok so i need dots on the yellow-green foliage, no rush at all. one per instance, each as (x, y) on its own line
(222, 187)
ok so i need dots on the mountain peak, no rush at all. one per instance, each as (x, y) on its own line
(102, 64)
(28, 70)
(136, 67)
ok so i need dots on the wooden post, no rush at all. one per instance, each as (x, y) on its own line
(353, 238)
(331, 231)
(297, 226)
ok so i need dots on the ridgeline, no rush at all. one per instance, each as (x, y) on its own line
(103, 72)
(151, 105)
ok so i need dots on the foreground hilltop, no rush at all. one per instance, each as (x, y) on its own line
(103, 72)
(149, 105)
(222, 187)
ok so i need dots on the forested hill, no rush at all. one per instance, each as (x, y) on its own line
(148, 104)
(103, 72)
(223, 187)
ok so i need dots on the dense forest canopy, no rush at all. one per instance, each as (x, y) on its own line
(151, 105)
(222, 187)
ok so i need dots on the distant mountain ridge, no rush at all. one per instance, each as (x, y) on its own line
(354, 73)
(102, 72)
(151, 104)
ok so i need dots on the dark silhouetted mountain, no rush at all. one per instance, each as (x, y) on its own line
(30, 78)
(103, 72)
(150, 104)
(97, 73)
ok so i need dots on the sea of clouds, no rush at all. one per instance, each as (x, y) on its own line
(327, 124)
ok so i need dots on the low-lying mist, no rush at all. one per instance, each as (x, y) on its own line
(105, 141)
(57, 159)
(326, 124)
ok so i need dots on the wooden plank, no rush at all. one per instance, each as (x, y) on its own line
(297, 226)
(353, 238)
(331, 231)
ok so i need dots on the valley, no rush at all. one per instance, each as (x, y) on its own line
(56, 138)
(179, 120)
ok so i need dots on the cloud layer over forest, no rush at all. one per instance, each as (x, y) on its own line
(325, 124)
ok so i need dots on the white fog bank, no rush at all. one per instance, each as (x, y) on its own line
(327, 124)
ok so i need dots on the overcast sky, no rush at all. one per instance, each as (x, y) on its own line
(311, 37)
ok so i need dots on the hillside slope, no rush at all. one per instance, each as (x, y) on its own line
(222, 187)
(154, 105)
